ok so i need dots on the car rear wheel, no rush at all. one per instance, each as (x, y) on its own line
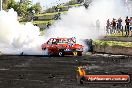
(48, 52)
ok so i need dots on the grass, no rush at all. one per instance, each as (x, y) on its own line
(39, 22)
(48, 14)
(62, 6)
(42, 22)
(76, 5)
(112, 43)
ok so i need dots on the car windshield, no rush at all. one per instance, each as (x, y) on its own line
(64, 41)
(61, 41)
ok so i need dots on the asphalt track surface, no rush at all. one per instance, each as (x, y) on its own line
(57, 72)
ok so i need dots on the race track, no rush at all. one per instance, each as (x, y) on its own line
(57, 72)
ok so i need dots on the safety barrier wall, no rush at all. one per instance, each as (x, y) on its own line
(118, 38)
(112, 49)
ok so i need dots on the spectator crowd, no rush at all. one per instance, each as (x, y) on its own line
(116, 26)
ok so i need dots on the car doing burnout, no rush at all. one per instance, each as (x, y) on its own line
(62, 46)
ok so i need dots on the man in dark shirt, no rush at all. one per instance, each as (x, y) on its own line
(131, 25)
(114, 25)
(119, 25)
(127, 21)
(108, 25)
(48, 24)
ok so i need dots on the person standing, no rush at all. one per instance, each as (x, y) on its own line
(119, 25)
(127, 21)
(56, 8)
(108, 29)
(98, 26)
(131, 25)
(48, 24)
(114, 25)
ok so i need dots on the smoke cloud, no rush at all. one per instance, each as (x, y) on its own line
(15, 37)
(82, 23)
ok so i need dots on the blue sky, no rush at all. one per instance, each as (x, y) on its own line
(48, 3)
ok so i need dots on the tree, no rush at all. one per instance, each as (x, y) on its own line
(20, 7)
(72, 2)
(24, 8)
(12, 4)
(5, 3)
(36, 7)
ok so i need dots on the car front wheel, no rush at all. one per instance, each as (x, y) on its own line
(61, 53)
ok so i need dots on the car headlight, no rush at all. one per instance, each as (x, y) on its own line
(79, 49)
(67, 49)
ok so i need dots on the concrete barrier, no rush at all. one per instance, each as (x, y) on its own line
(112, 49)
(117, 38)
(0, 53)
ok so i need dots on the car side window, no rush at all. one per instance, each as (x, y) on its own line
(50, 41)
(54, 41)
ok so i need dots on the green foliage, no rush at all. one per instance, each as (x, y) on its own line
(23, 8)
(43, 22)
(50, 14)
(4, 5)
(20, 8)
(36, 7)
(12, 4)
(72, 2)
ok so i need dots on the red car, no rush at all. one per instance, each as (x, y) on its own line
(62, 46)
